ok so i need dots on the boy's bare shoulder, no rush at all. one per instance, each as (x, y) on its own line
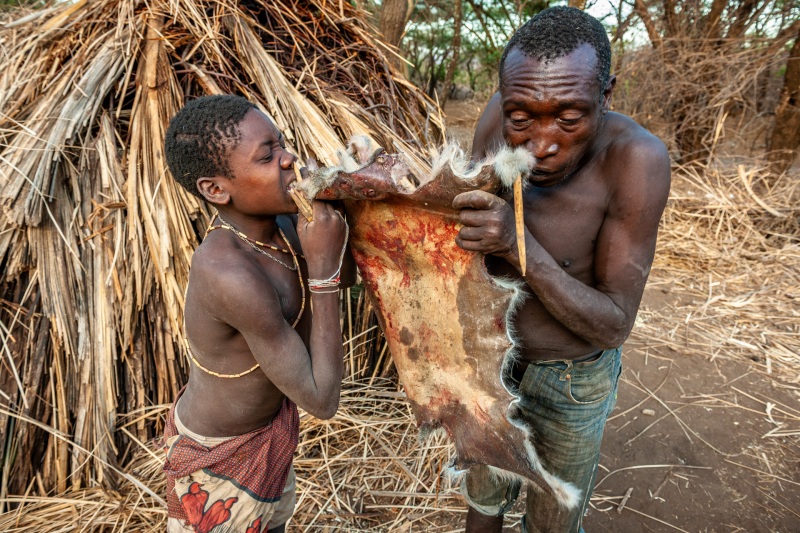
(226, 280)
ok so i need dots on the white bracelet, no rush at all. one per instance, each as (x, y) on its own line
(314, 285)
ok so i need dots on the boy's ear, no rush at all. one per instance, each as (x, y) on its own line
(213, 190)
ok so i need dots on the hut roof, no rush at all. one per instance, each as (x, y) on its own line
(96, 239)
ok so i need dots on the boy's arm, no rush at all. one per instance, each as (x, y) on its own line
(310, 378)
(251, 305)
(349, 271)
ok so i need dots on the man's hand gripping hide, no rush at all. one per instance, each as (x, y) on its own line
(488, 226)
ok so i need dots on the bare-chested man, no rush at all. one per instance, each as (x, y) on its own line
(256, 350)
(597, 190)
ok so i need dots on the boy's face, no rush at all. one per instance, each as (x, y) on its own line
(261, 167)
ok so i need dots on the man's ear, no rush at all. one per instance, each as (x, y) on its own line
(607, 92)
(214, 190)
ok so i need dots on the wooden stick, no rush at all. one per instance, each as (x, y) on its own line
(519, 218)
(303, 204)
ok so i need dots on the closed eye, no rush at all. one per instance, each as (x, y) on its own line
(569, 121)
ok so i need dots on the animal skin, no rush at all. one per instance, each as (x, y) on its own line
(445, 318)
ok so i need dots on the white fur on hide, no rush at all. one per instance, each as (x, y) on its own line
(508, 164)
(360, 147)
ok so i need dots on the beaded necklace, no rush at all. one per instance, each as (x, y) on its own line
(255, 245)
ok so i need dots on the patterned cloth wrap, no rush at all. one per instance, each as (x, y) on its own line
(240, 479)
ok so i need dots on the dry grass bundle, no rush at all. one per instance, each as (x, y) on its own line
(96, 239)
(703, 93)
(363, 470)
(729, 253)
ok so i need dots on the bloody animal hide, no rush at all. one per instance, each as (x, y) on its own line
(445, 318)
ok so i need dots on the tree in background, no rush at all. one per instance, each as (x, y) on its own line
(711, 54)
(392, 17)
(455, 50)
(785, 139)
(449, 40)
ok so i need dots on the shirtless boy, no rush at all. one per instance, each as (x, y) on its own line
(256, 350)
(597, 190)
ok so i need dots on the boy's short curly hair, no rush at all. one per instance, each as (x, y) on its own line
(557, 32)
(200, 137)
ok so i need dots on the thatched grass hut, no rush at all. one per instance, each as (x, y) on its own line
(96, 239)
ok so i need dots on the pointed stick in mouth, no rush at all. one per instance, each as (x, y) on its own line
(519, 218)
(299, 197)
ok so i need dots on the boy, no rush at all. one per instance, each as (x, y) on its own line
(256, 351)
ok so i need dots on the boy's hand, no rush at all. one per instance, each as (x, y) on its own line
(322, 240)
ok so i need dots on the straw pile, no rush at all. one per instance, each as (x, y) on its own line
(96, 239)
(729, 259)
(728, 248)
(708, 96)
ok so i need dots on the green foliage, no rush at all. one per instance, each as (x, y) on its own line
(30, 4)
(486, 27)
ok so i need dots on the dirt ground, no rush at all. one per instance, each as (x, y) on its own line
(693, 441)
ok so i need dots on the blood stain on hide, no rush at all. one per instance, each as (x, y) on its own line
(406, 337)
(414, 353)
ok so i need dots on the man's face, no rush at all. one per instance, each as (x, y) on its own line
(261, 167)
(554, 109)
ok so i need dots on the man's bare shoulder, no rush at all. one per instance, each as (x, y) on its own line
(634, 143)
(488, 137)
(637, 162)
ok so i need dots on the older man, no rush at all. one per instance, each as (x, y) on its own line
(597, 190)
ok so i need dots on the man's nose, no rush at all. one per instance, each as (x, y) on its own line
(542, 148)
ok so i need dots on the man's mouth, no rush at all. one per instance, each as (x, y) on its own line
(543, 173)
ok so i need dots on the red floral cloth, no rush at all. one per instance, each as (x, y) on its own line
(256, 464)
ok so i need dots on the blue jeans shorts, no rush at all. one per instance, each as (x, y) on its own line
(566, 405)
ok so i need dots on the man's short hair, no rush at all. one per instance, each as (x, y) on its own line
(201, 136)
(557, 32)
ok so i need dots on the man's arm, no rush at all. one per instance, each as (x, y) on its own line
(602, 315)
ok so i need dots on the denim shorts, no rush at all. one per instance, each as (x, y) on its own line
(565, 404)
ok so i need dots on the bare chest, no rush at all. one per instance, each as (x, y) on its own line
(566, 222)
